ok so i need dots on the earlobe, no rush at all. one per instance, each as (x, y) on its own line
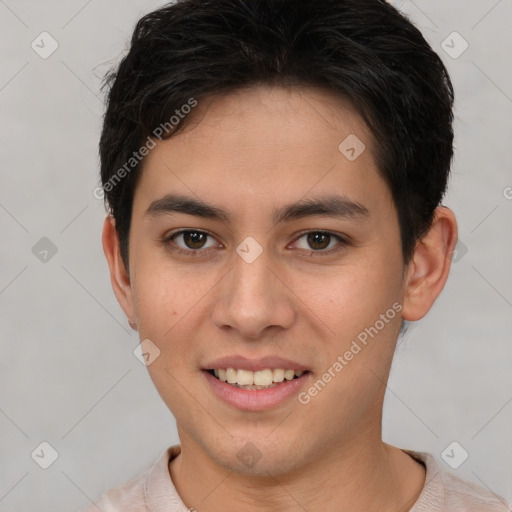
(119, 276)
(430, 266)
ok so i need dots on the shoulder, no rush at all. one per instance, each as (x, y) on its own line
(128, 497)
(464, 495)
(446, 492)
(138, 494)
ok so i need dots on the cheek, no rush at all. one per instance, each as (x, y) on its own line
(164, 301)
(155, 302)
(160, 304)
(170, 305)
(362, 307)
(352, 297)
(355, 359)
(161, 290)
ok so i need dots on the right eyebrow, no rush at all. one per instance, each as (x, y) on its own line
(337, 206)
(177, 203)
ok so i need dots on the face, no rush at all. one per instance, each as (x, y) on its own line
(265, 280)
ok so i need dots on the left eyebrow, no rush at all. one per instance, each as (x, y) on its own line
(331, 206)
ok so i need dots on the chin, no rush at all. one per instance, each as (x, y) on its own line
(259, 456)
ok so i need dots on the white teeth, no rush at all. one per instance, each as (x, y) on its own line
(245, 377)
(257, 379)
(263, 377)
(279, 375)
(231, 375)
(289, 374)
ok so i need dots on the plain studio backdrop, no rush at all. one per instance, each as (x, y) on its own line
(68, 373)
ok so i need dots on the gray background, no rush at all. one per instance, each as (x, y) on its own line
(68, 375)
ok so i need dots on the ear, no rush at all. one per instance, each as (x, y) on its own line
(119, 276)
(428, 270)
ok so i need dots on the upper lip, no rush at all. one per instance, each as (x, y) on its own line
(262, 363)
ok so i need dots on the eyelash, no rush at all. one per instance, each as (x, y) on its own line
(342, 242)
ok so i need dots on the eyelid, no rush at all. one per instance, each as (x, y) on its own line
(340, 236)
(169, 238)
(342, 241)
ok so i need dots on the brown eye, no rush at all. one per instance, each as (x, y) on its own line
(318, 240)
(192, 240)
(321, 242)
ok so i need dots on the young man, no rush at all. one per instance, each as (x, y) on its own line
(274, 171)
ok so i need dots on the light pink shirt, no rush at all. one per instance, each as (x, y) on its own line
(153, 491)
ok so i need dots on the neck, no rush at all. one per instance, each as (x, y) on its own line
(360, 477)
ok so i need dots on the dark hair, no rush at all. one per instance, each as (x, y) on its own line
(365, 51)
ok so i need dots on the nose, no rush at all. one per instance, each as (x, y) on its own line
(252, 298)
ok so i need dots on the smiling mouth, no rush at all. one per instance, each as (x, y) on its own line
(261, 379)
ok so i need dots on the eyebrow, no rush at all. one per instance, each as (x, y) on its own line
(332, 206)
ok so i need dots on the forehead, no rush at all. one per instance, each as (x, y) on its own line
(265, 145)
(259, 111)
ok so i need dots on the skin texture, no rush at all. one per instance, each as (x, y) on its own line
(250, 152)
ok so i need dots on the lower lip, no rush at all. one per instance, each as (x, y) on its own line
(255, 399)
